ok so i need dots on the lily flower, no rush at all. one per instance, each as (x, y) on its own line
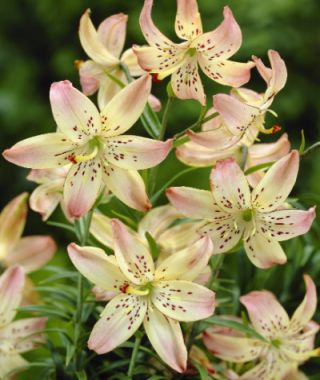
(287, 342)
(260, 217)
(157, 297)
(93, 143)
(104, 47)
(210, 50)
(16, 337)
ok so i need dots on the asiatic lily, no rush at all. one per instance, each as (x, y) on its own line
(210, 50)
(288, 342)
(93, 143)
(16, 337)
(157, 297)
(260, 217)
(104, 46)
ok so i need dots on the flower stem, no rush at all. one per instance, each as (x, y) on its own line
(134, 355)
(165, 116)
(311, 148)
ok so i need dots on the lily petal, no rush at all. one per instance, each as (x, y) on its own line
(186, 264)
(112, 33)
(132, 254)
(109, 88)
(135, 152)
(92, 44)
(218, 139)
(99, 268)
(120, 319)
(166, 338)
(90, 74)
(183, 300)
(12, 222)
(126, 107)
(230, 187)
(76, 116)
(11, 287)
(32, 252)
(265, 312)
(188, 23)
(130, 59)
(8, 364)
(101, 229)
(82, 187)
(128, 186)
(276, 185)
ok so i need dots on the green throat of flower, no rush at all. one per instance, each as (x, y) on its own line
(247, 215)
(192, 52)
(143, 290)
(94, 146)
(276, 343)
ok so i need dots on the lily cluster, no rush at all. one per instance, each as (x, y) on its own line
(159, 272)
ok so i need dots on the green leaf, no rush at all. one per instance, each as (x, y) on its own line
(125, 219)
(45, 311)
(81, 375)
(154, 248)
(258, 167)
(202, 371)
(303, 142)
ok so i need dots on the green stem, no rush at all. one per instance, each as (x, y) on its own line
(311, 148)
(126, 71)
(165, 116)
(134, 355)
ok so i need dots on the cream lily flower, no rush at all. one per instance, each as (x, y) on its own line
(104, 47)
(288, 342)
(16, 337)
(93, 143)
(261, 217)
(157, 297)
(210, 50)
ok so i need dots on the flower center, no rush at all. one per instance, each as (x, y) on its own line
(247, 215)
(94, 147)
(276, 343)
(192, 52)
(143, 290)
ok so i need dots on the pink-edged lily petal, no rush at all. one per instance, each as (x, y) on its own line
(286, 224)
(101, 229)
(90, 74)
(223, 42)
(135, 152)
(230, 187)
(264, 251)
(265, 312)
(109, 88)
(82, 187)
(193, 203)
(103, 295)
(158, 220)
(119, 321)
(32, 252)
(307, 308)
(166, 338)
(92, 43)
(231, 348)
(132, 254)
(11, 286)
(112, 33)
(218, 139)
(227, 73)
(237, 116)
(12, 222)
(42, 176)
(276, 185)
(154, 103)
(186, 82)
(128, 186)
(186, 264)
(76, 116)
(42, 152)
(10, 363)
(183, 300)
(99, 268)
(130, 59)
(188, 23)
(132, 99)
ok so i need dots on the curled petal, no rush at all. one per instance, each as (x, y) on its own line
(45, 151)
(193, 203)
(128, 186)
(82, 187)
(92, 43)
(263, 251)
(112, 33)
(265, 312)
(76, 116)
(135, 152)
(12, 222)
(11, 287)
(32, 252)
(90, 75)
(188, 23)
(230, 187)
(126, 107)
(119, 321)
(183, 300)
(99, 268)
(101, 229)
(276, 185)
(186, 264)
(166, 338)
(132, 254)
(222, 42)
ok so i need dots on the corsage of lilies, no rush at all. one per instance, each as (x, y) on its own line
(155, 263)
